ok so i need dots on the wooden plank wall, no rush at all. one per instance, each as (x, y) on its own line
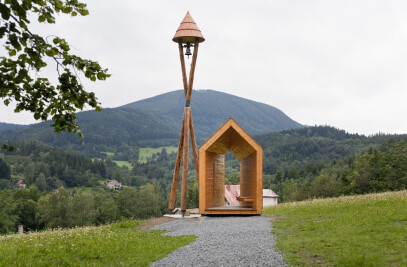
(248, 179)
(218, 180)
(214, 181)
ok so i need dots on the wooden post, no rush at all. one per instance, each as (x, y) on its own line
(171, 203)
(184, 186)
(184, 73)
(192, 71)
(194, 150)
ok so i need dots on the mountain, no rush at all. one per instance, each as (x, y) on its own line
(9, 126)
(156, 122)
(210, 109)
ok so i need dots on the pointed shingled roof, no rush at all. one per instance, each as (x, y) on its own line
(188, 31)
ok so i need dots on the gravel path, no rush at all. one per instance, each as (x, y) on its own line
(223, 241)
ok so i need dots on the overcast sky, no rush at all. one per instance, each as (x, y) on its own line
(339, 63)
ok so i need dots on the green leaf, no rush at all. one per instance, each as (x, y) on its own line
(84, 12)
(101, 76)
(5, 11)
(2, 31)
(12, 52)
(66, 9)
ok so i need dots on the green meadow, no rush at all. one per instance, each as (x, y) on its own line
(122, 163)
(147, 152)
(120, 244)
(364, 230)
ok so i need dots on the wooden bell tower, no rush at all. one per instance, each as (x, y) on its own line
(188, 36)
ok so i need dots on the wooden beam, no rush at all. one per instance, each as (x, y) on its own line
(184, 72)
(194, 150)
(171, 203)
(184, 186)
(192, 71)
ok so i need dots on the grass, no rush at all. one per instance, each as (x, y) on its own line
(122, 163)
(121, 244)
(366, 230)
(147, 152)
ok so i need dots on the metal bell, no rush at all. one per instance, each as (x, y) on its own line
(188, 50)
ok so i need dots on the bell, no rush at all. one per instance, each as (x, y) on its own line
(188, 50)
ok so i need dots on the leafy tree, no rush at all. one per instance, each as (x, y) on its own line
(26, 200)
(127, 202)
(290, 187)
(7, 218)
(41, 183)
(378, 170)
(324, 186)
(83, 209)
(193, 195)
(22, 81)
(4, 170)
(5, 184)
(55, 209)
(148, 203)
(107, 212)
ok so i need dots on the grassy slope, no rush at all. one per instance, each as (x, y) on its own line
(367, 230)
(122, 163)
(146, 152)
(122, 244)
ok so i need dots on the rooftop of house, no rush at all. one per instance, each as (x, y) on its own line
(269, 193)
(114, 182)
(231, 194)
(233, 191)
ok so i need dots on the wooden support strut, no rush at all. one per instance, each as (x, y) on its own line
(184, 73)
(171, 204)
(184, 186)
(191, 72)
(194, 149)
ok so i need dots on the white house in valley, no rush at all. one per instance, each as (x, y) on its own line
(113, 184)
(269, 198)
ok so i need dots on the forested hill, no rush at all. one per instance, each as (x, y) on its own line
(210, 109)
(156, 122)
(303, 146)
(9, 126)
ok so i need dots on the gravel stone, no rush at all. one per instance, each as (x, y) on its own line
(223, 241)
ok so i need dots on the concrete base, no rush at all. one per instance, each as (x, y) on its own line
(179, 216)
